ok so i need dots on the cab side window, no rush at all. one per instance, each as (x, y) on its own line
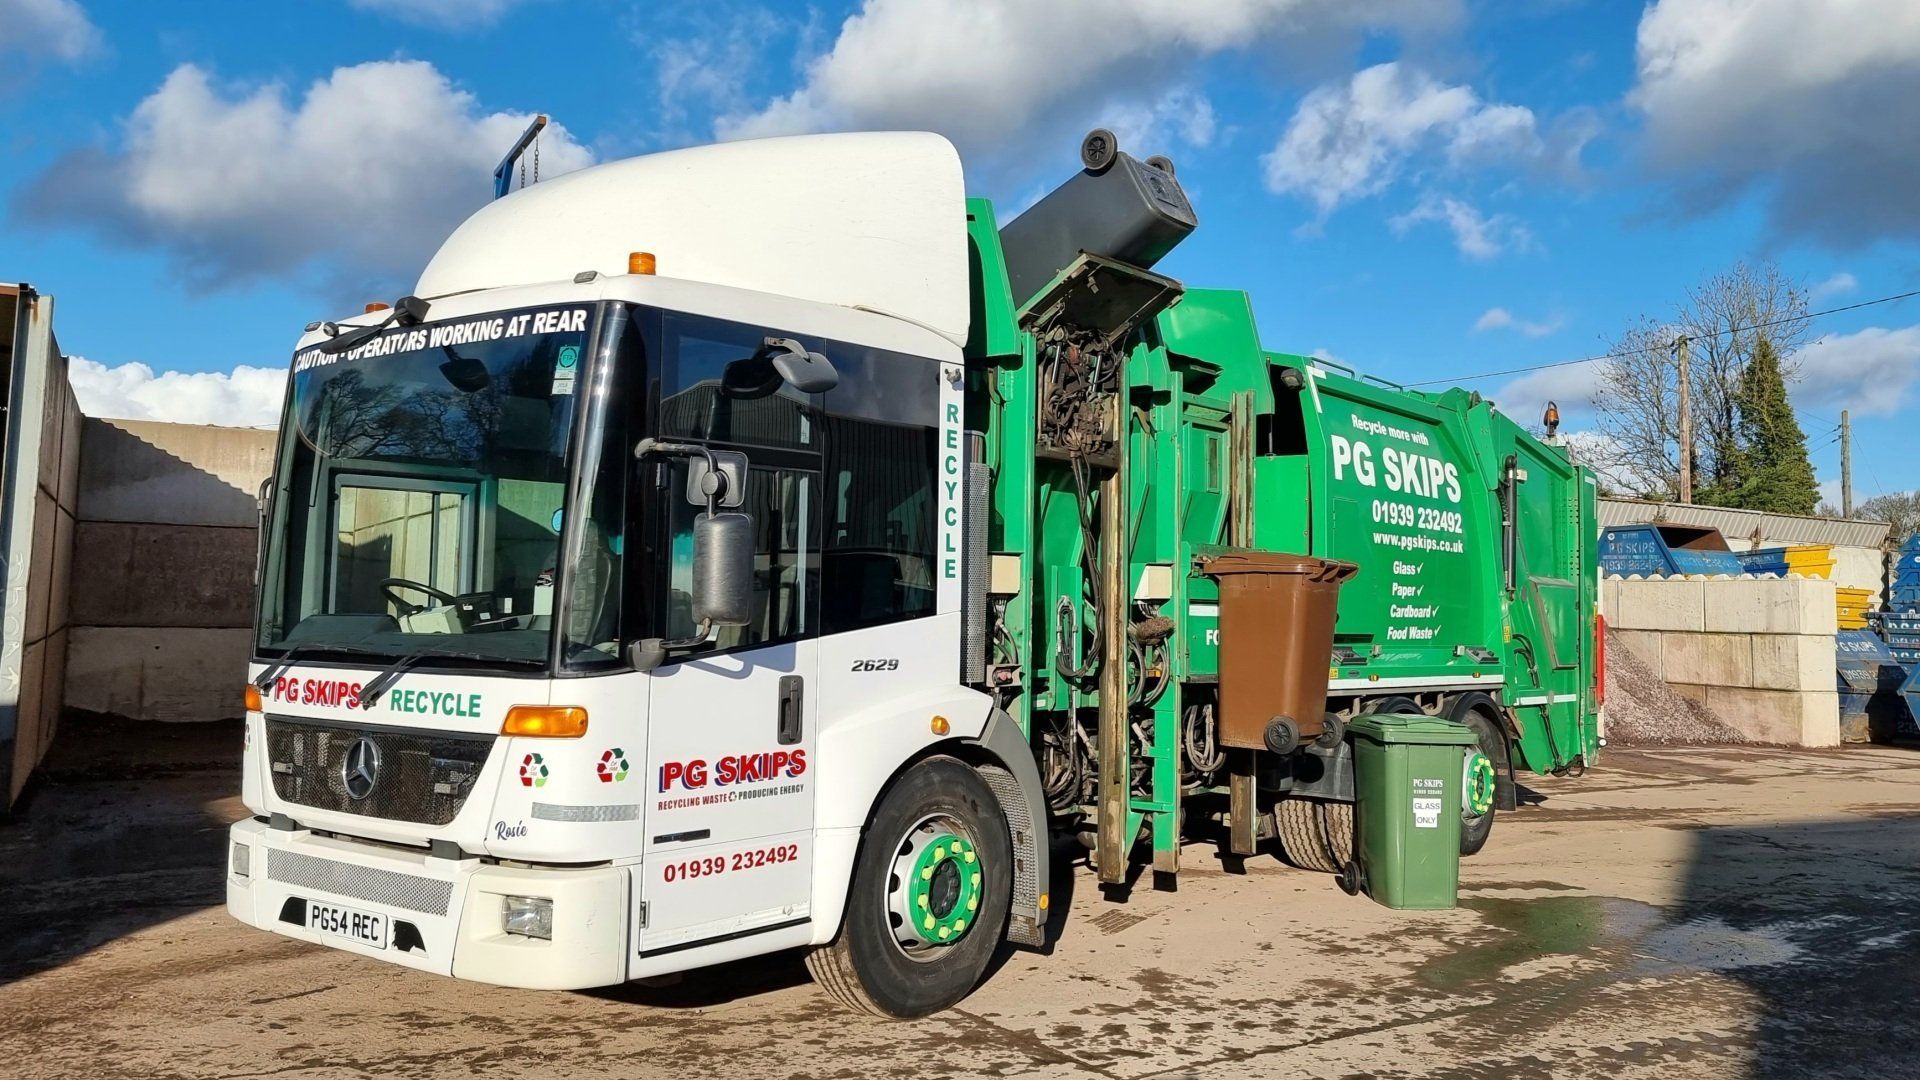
(882, 443)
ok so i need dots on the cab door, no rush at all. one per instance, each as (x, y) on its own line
(732, 722)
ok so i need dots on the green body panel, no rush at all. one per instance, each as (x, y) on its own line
(1407, 485)
(1407, 774)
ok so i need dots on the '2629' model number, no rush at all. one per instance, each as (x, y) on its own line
(715, 865)
(885, 663)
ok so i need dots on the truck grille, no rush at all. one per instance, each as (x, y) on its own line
(423, 776)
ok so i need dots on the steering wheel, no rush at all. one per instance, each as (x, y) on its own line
(387, 585)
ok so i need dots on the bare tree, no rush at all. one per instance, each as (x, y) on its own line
(1901, 509)
(1636, 396)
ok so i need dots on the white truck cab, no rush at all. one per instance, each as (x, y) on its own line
(610, 619)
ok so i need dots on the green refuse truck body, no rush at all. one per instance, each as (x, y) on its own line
(1474, 593)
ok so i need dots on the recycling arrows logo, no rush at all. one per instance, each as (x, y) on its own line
(612, 767)
(533, 771)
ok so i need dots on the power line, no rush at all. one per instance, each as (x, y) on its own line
(1631, 352)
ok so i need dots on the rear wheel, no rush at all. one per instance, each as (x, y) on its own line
(1316, 834)
(1481, 775)
(929, 898)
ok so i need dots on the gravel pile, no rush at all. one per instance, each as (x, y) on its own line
(1642, 710)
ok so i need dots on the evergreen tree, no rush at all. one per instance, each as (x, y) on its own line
(1771, 470)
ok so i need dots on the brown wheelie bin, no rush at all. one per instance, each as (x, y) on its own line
(1276, 642)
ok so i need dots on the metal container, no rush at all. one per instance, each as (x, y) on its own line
(1276, 644)
(1763, 562)
(1664, 551)
(1850, 607)
(1904, 596)
(1809, 560)
(1869, 679)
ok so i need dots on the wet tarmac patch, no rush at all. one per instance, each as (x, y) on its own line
(1533, 928)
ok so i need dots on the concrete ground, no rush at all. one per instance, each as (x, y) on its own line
(1677, 913)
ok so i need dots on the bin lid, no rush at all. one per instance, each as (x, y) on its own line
(1275, 562)
(1412, 729)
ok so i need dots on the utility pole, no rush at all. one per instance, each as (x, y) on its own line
(1686, 421)
(1846, 465)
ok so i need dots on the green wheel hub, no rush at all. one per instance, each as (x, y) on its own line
(1476, 795)
(937, 891)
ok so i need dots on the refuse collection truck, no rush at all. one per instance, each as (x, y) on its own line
(758, 546)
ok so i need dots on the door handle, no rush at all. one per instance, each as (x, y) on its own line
(792, 688)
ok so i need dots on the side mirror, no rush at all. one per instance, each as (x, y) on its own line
(807, 372)
(723, 569)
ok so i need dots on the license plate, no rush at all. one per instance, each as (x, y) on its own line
(366, 927)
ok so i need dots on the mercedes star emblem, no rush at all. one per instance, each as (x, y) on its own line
(360, 769)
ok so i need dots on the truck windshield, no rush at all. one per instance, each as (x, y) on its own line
(422, 486)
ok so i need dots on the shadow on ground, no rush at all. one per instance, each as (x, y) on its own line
(1821, 922)
(124, 827)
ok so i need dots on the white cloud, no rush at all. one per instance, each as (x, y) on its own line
(710, 70)
(1005, 77)
(56, 28)
(1499, 318)
(1350, 140)
(1478, 236)
(1571, 386)
(446, 14)
(1808, 102)
(1869, 371)
(1830, 491)
(245, 397)
(1839, 284)
(360, 180)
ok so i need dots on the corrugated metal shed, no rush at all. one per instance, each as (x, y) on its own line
(1744, 524)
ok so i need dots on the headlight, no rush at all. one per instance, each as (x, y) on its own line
(528, 916)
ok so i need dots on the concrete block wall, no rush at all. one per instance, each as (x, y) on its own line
(164, 542)
(1759, 652)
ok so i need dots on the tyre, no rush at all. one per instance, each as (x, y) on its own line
(929, 898)
(1481, 775)
(1315, 834)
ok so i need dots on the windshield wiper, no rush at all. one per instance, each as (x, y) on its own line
(285, 660)
(381, 683)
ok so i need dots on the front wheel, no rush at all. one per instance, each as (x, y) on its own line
(928, 904)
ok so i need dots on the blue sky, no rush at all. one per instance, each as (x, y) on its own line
(1420, 188)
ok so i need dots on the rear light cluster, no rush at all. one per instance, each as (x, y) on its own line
(1599, 659)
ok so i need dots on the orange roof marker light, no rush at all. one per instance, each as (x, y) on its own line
(640, 262)
(545, 721)
(377, 306)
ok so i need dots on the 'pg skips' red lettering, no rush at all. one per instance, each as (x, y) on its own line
(316, 692)
(733, 769)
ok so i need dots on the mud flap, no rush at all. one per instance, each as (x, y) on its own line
(1015, 781)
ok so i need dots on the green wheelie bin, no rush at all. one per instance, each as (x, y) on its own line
(1407, 777)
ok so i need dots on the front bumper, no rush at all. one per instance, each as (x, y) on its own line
(445, 914)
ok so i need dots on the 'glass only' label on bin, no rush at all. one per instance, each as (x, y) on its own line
(1426, 802)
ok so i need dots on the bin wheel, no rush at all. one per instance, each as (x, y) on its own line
(1282, 735)
(1332, 732)
(929, 899)
(1481, 775)
(1316, 834)
(1098, 150)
